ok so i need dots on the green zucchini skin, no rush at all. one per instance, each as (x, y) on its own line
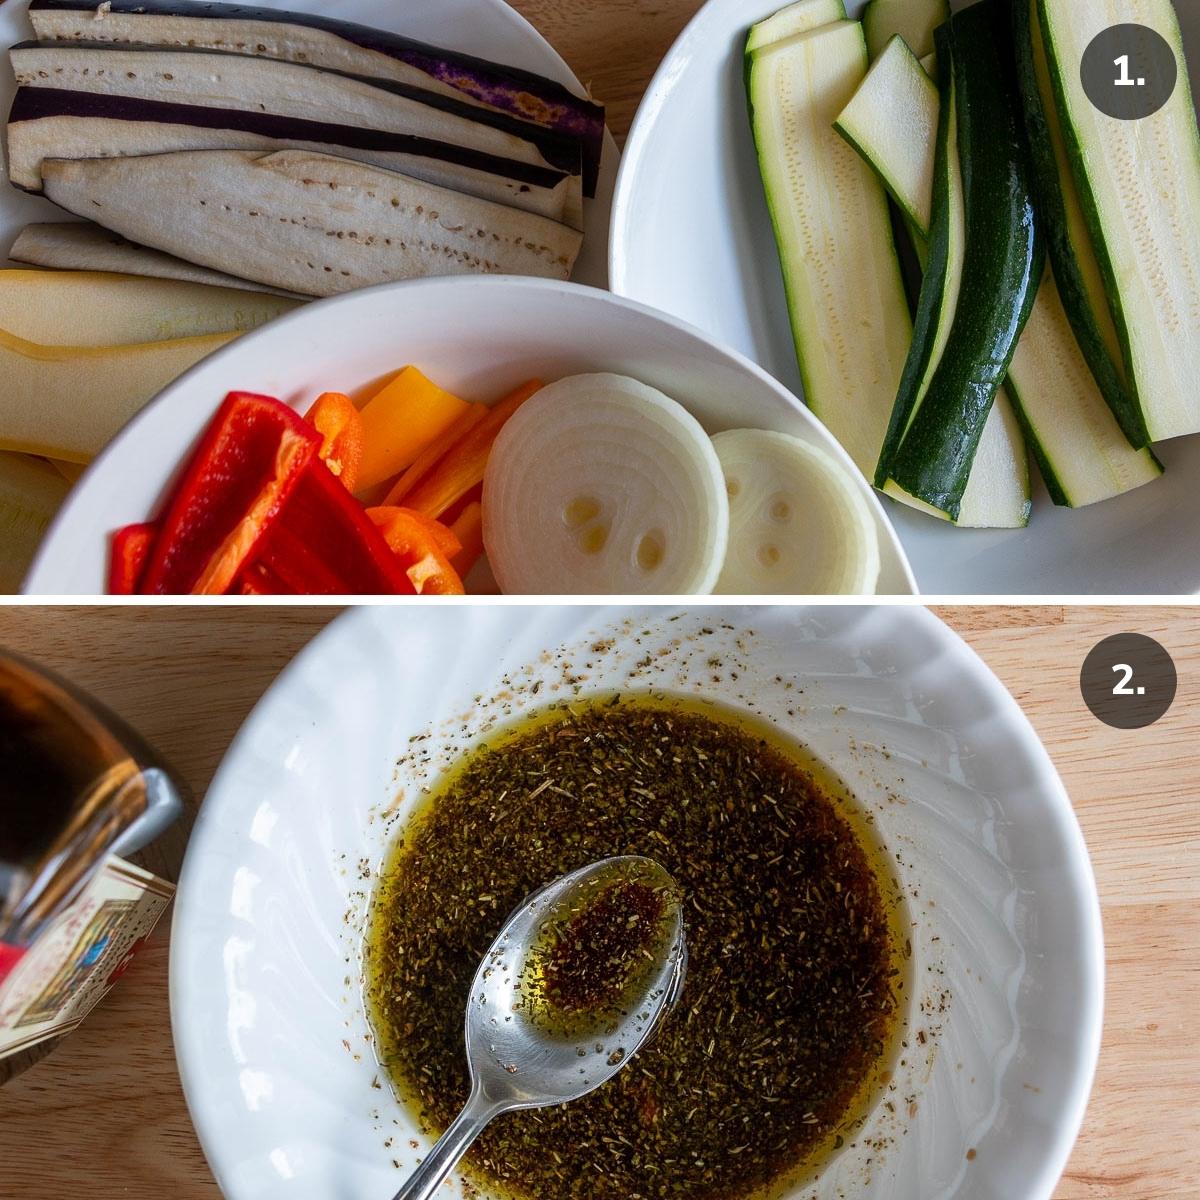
(935, 253)
(1048, 191)
(1057, 490)
(1005, 256)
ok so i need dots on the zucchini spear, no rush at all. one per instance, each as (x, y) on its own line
(986, 260)
(845, 295)
(1121, 198)
(1068, 243)
(913, 20)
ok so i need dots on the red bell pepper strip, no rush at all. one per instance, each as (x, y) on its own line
(127, 561)
(249, 460)
(423, 546)
(259, 580)
(325, 544)
(340, 425)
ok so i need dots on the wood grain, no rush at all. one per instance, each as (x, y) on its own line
(104, 1115)
(613, 46)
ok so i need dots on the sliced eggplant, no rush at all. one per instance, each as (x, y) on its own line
(332, 44)
(49, 123)
(82, 246)
(309, 223)
(218, 79)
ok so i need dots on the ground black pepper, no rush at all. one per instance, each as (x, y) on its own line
(790, 1003)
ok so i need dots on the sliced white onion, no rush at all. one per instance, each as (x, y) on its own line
(600, 484)
(797, 523)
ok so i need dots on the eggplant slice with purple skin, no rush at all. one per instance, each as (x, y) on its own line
(82, 246)
(220, 79)
(50, 123)
(305, 222)
(333, 45)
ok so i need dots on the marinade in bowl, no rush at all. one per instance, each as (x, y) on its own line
(793, 1003)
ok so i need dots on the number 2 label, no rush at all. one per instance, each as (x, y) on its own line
(1123, 688)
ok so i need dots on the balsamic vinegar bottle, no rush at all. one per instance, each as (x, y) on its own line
(76, 785)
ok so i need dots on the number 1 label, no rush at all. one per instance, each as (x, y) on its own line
(1123, 79)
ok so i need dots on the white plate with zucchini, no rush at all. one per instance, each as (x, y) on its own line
(1025, 399)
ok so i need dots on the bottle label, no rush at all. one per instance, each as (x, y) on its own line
(80, 956)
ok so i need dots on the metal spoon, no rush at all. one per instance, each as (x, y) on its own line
(518, 1059)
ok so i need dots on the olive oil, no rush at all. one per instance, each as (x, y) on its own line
(791, 1009)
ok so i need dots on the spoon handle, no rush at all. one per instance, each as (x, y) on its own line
(451, 1146)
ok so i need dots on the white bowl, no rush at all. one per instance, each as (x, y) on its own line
(478, 337)
(272, 1041)
(691, 235)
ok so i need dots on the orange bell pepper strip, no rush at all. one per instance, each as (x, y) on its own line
(340, 425)
(456, 509)
(433, 453)
(424, 548)
(462, 466)
(468, 528)
(400, 420)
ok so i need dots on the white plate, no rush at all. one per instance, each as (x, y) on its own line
(691, 235)
(487, 28)
(477, 336)
(268, 1020)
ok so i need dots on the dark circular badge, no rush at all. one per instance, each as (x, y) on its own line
(1129, 72)
(1128, 681)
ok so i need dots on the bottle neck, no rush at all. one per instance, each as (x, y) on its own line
(112, 804)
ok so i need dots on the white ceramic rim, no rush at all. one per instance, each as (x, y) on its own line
(191, 1058)
(1092, 1009)
(652, 99)
(79, 497)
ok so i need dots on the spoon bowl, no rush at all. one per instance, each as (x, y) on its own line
(574, 985)
(526, 1058)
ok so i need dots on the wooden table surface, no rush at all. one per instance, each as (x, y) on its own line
(103, 1116)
